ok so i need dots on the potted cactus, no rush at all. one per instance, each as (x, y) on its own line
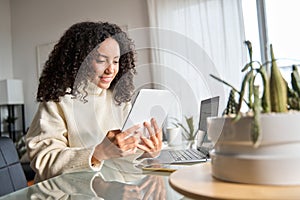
(254, 147)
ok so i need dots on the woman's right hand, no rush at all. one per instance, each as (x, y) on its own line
(117, 144)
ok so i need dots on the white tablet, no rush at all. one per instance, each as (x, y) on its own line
(150, 103)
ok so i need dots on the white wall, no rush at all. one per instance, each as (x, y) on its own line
(6, 70)
(36, 22)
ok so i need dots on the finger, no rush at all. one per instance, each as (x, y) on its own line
(144, 148)
(150, 191)
(112, 134)
(146, 183)
(122, 139)
(128, 147)
(157, 194)
(157, 129)
(132, 129)
(149, 128)
(154, 125)
(155, 140)
(156, 137)
(126, 144)
(163, 191)
(160, 194)
(148, 143)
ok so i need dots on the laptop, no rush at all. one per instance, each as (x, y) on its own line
(208, 108)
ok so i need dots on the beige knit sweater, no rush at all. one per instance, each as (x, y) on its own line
(63, 134)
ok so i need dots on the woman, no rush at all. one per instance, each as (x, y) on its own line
(84, 93)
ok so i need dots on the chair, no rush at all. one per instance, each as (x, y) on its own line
(12, 176)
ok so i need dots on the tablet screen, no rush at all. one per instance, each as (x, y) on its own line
(150, 103)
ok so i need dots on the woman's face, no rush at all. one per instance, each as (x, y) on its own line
(106, 63)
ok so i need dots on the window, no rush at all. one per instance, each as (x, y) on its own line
(284, 32)
(251, 26)
(280, 29)
(283, 27)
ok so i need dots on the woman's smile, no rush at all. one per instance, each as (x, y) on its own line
(106, 64)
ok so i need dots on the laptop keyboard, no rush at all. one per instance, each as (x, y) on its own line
(186, 154)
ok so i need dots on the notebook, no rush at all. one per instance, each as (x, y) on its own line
(208, 108)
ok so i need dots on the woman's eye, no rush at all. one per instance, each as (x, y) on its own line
(100, 61)
(116, 62)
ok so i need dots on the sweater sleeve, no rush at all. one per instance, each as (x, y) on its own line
(48, 146)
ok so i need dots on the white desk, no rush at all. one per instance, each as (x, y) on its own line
(125, 184)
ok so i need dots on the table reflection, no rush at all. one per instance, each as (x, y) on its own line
(118, 179)
(150, 187)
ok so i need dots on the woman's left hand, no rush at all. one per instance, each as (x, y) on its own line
(154, 142)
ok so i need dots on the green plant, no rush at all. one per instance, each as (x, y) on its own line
(277, 96)
(10, 120)
(189, 131)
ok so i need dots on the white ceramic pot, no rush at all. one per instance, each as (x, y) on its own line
(276, 161)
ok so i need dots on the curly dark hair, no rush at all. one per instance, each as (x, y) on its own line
(74, 52)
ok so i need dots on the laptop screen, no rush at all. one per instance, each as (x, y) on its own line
(208, 108)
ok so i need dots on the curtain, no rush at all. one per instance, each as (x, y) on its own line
(191, 39)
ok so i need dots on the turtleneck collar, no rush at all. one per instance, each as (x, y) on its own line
(93, 89)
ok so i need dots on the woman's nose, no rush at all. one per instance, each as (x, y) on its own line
(109, 68)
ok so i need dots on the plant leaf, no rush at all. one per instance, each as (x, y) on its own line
(190, 123)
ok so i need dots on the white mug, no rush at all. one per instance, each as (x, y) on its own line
(174, 136)
(200, 137)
